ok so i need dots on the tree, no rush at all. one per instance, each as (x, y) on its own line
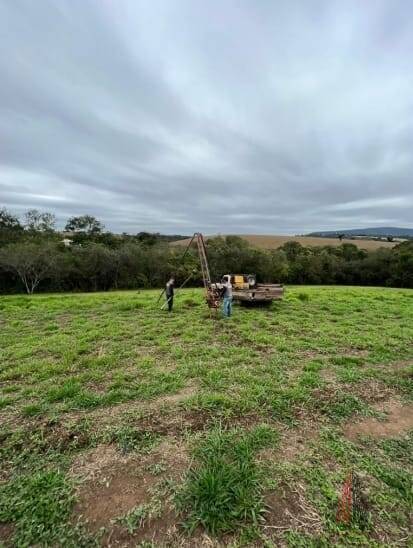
(10, 228)
(147, 238)
(340, 236)
(32, 262)
(280, 266)
(86, 224)
(350, 252)
(37, 221)
(293, 249)
(9, 221)
(402, 265)
(95, 265)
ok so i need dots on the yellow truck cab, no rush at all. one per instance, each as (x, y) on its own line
(242, 281)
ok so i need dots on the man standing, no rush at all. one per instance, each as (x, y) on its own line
(169, 292)
(227, 295)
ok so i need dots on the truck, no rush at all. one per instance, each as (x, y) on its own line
(245, 288)
(247, 291)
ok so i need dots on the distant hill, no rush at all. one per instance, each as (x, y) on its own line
(379, 232)
(273, 242)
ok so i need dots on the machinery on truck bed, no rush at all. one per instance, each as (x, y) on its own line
(245, 288)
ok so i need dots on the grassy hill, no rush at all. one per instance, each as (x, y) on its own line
(182, 430)
(273, 242)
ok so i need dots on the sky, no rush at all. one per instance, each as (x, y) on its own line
(225, 116)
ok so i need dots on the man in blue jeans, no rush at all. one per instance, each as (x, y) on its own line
(227, 295)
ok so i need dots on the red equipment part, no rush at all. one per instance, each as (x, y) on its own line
(345, 504)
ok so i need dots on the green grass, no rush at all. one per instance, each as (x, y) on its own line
(84, 371)
(130, 439)
(224, 489)
(39, 505)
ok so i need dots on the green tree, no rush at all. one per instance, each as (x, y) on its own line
(8, 221)
(402, 265)
(31, 262)
(11, 229)
(86, 224)
(292, 250)
(38, 221)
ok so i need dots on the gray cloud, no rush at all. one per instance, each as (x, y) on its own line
(233, 116)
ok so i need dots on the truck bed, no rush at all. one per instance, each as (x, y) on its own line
(260, 294)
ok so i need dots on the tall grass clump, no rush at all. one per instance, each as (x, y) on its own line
(223, 489)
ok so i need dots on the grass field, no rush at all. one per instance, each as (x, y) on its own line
(274, 242)
(122, 425)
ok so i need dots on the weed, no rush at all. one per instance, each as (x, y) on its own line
(32, 410)
(67, 391)
(4, 402)
(223, 490)
(157, 468)
(135, 518)
(342, 406)
(130, 439)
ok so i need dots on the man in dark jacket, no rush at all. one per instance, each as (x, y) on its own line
(169, 292)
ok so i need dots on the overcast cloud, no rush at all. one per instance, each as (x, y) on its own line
(228, 116)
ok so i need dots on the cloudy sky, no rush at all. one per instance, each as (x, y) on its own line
(231, 116)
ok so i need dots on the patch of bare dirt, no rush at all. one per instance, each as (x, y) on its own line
(173, 454)
(8, 419)
(114, 484)
(293, 443)
(401, 365)
(6, 534)
(160, 531)
(312, 354)
(113, 493)
(172, 424)
(90, 465)
(173, 399)
(328, 375)
(355, 353)
(63, 319)
(372, 391)
(344, 352)
(399, 419)
(289, 510)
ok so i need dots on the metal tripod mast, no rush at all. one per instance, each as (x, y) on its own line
(212, 293)
(206, 276)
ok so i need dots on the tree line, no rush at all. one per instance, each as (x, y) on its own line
(34, 256)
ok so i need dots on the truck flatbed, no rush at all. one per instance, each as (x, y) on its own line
(261, 293)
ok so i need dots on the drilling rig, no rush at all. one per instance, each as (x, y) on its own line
(212, 291)
(246, 290)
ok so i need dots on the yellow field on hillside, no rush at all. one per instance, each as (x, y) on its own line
(273, 242)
